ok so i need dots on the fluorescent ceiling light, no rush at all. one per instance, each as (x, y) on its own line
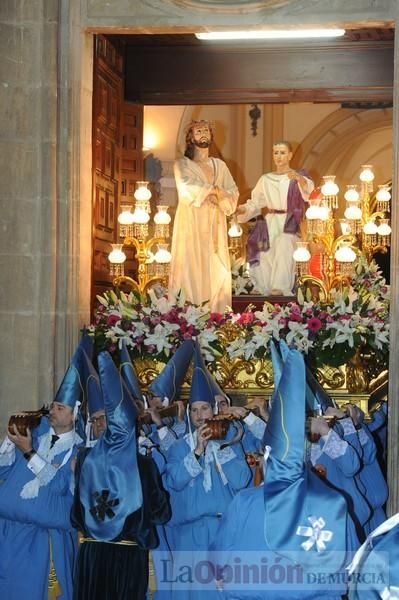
(270, 34)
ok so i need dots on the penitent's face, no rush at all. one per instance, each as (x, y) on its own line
(99, 423)
(223, 405)
(281, 156)
(199, 412)
(61, 417)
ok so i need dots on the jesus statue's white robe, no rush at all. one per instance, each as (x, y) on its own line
(200, 264)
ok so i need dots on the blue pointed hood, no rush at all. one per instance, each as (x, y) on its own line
(92, 387)
(279, 353)
(71, 389)
(304, 518)
(316, 397)
(93, 400)
(202, 388)
(110, 486)
(217, 390)
(169, 381)
(129, 374)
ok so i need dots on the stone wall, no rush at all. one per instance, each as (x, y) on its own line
(28, 138)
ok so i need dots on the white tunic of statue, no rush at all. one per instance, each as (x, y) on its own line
(200, 264)
(276, 269)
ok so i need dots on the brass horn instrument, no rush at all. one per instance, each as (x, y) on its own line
(314, 437)
(219, 426)
(168, 412)
(28, 419)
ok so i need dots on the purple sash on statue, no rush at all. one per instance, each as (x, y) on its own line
(295, 206)
(258, 240)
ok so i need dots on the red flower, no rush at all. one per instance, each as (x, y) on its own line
(246, 318)
(112, 320)
(314, 324)
(295, 316)
(215, 318)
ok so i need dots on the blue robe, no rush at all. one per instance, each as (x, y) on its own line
(378, 427)
(29, 526)
(162, 551)
(112, 571)
(174, 431)
(342, 463)
(370, 475)
(241, 542)
(200, 494)
(377, 573)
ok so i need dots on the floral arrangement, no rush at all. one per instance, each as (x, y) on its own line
(328, 333)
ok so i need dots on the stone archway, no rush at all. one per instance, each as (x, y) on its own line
(337, 136)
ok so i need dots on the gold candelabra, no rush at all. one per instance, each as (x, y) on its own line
(134, 230)
(364, 230)
(235, 233)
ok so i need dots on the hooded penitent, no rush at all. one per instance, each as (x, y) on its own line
(304, 519)
(110, 486)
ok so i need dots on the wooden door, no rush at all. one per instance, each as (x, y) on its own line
(117, 157)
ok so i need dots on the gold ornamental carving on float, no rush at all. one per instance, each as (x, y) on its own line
(355, 382)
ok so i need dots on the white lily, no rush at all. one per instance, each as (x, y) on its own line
(298, 332)
(236, 348)
(159, 338)
(195, 314)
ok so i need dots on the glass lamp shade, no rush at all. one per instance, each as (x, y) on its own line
(235, 230)
(313, 212)
(141, 216)
(162, 255)
(366, 174)
(126, 217)
(329, 187)
(162, 217)
(301, 252)
(370, 228)
(345, 254)
(353, 212)
(383, 228)
(351, 194)
(383, 194)
(142, 193)
(324, 213)
(117, 256)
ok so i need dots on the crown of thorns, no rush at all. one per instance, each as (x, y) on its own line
(196, 123)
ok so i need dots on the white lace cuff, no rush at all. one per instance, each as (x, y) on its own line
(225, 455)
(256, 425)
(167, 439)
(347, 425)
(7, 453)
(334, 446)
(192, 465)
(42, 469)
(162, 432)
